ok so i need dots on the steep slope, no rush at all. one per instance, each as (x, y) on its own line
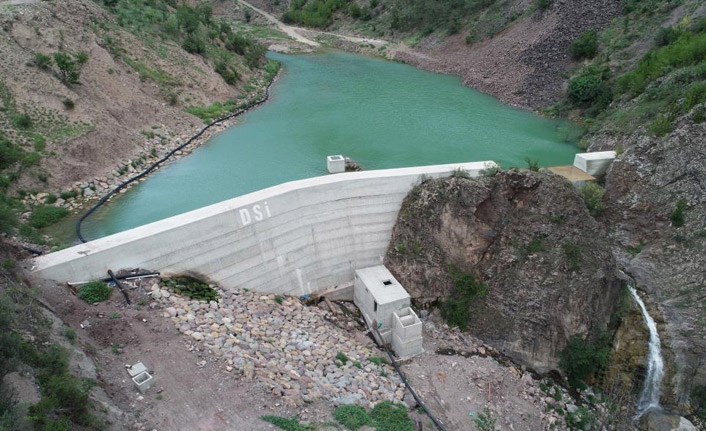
(529, 237)
(132, 91)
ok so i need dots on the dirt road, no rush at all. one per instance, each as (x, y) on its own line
(287, 29)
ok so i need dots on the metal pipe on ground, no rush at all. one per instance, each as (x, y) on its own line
(406, 383)
(120, 286)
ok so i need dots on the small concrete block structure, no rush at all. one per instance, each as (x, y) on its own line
(595, 164)
(143, 381)
(406, 333)
(336, 164)
(140, 377)
(385, 304)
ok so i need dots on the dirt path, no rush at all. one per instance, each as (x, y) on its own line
(289, 30)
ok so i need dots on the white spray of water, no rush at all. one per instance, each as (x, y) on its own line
(649, 397)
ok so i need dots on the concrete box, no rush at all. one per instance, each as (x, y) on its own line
(595, 164)
(143, 381)
(378, 295)
(336, 164)
(406, 333)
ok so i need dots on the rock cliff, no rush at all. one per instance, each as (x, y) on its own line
(527, 235)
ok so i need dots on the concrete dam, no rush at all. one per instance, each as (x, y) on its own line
(295, 238)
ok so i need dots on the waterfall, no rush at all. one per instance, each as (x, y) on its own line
(649, 396)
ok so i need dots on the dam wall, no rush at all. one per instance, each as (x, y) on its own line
(294, 238)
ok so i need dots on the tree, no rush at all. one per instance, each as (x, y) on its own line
(585, 46)
(68, 67)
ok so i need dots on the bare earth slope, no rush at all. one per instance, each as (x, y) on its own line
(523, 64)
(114, 102)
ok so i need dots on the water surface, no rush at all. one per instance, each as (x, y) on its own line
(382, 114)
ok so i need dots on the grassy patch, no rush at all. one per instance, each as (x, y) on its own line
(95, 291)
(44, 215)
(192, 288)
(352, 416)
(572, 253)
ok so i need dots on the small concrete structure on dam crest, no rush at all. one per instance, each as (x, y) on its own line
(295, 238)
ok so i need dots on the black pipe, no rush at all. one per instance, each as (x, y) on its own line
(406, 383)
(122, 185)
(120, 286)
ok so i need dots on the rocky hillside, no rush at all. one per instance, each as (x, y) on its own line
(528, 236)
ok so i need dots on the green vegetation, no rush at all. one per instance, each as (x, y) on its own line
(650, 91)
(677, 216)
(585, 46)
(45, 215)
(466, 289)
(69, 66)
(385, 416)
(485, 421)
(352, 416)
(377, 360)
(582, 358)
(340, 356)
(592, 194)
(535, 246)
(314, 13)
(64, 404)
(698, 401)
(572, 253)
(192, 288)
(532, 164)
(42, 61)
(95, 291)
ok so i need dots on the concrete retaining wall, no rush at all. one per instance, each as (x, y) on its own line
(294, 238)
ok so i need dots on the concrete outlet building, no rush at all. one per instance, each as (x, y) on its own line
(385, 304)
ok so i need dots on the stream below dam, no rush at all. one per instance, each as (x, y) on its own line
(380, 113)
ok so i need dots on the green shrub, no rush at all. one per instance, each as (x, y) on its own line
(229, 75)
(698, 401)
(95, 291)
(69, 72)
(699, 115)
(677, 216)
(485, 421)
(8, 218)
(68, 103)
(667, 35)
(192, 288)
(194, 44)
(660, 127)
(572, 252)
(532, 164)
(695, 95)
(377, 360)
(50, 199)
(585, 46)
(455, 309)
(581, 358)
(543, 5)
(588, 88)
(42, 61)
(391, 417)
(352, 416)
(592, 194)
(535, 246)
(22, 121)
(340, 356)
(70, 194)
(43, 216)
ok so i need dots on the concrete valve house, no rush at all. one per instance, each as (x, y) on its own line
(385, 304)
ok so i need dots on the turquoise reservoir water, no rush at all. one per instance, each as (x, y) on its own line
(380, 113)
